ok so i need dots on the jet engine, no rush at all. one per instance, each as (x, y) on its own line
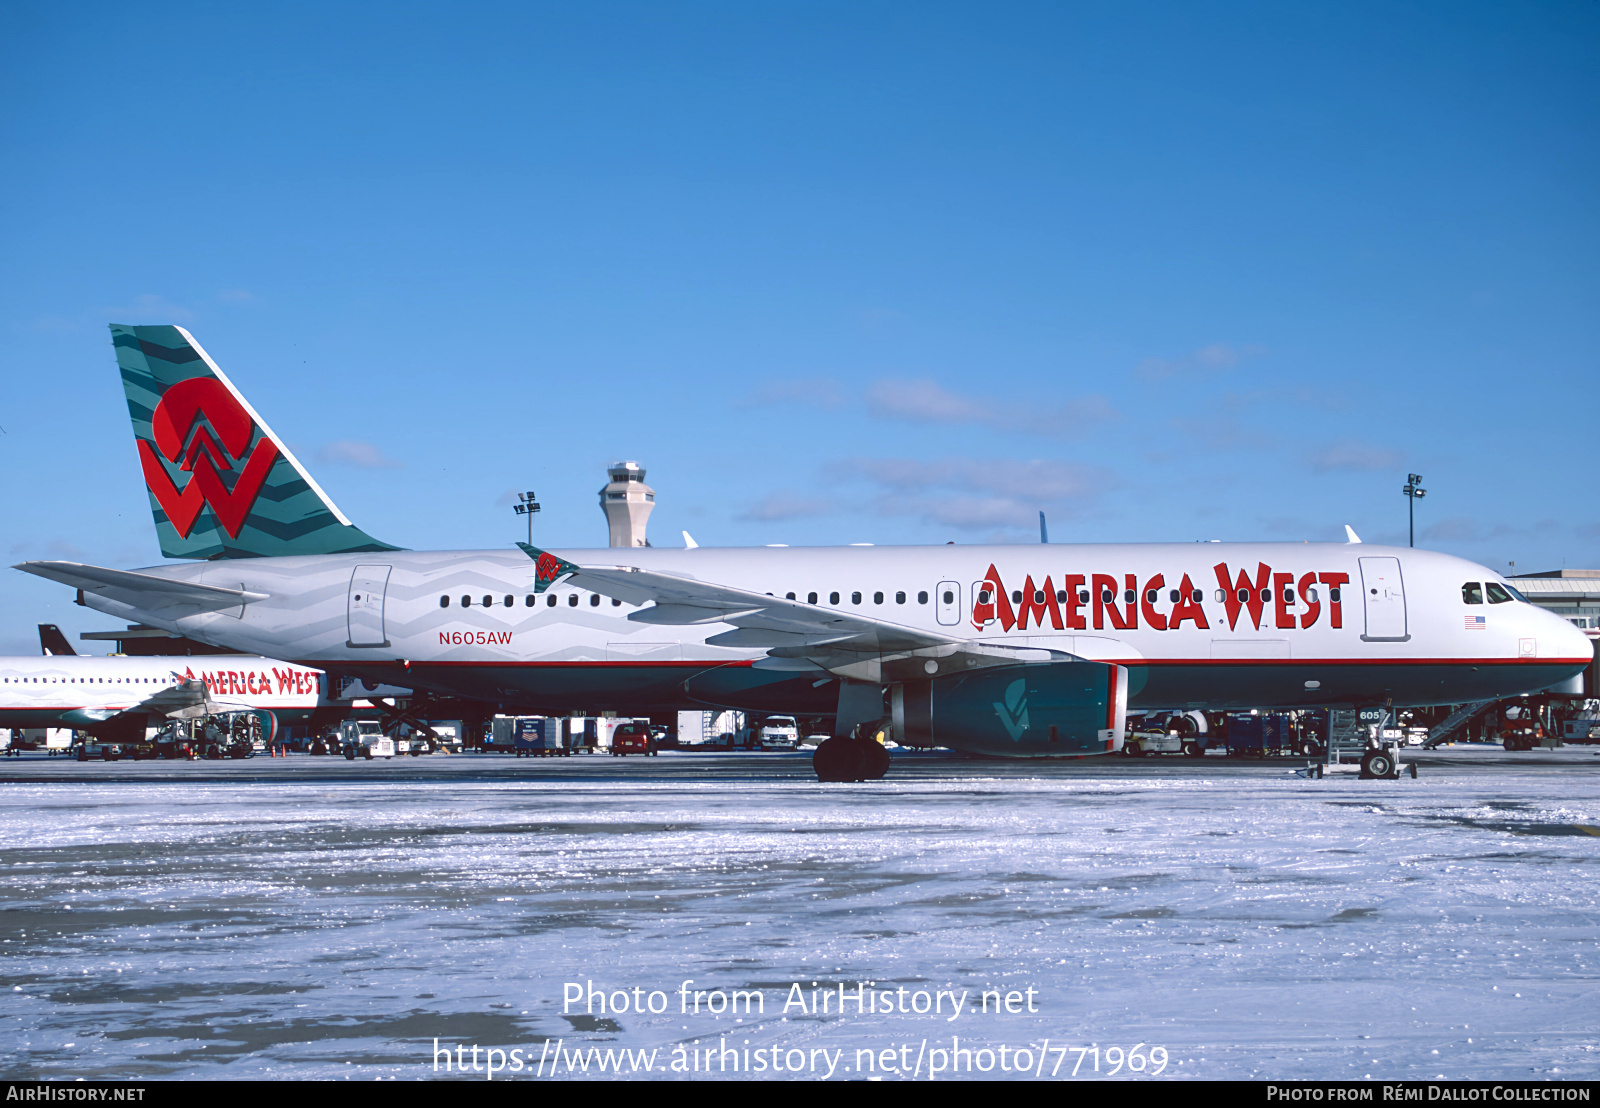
(1027, 711)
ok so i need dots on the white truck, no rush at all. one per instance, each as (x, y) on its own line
(780, 733)
(364, 737)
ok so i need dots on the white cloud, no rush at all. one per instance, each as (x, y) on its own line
(353, 452)
(1355, 456)
(926, 402)
(1216, 357)
(151, 309)
(824, 392)
(784, 505)
(975, 493)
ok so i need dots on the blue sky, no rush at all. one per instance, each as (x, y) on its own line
(833, 272)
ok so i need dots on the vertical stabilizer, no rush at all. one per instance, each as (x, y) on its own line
(52, 643)
(221, 484)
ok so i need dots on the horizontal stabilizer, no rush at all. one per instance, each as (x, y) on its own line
(141, 590)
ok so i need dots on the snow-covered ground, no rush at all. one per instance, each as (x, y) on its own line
(312, 918)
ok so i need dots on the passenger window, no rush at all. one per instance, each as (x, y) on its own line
(1221, 596)
(983, 597)
(855, 598)
(572, 600)
(1128, 595)
(1472, 593)
(1105, 596)
(1016, 596)
(1153, 595)
(1311, 595)
(1498, 595)
(1244, 596)
(594, 600)
(550, 602)
(466, 601)
(922, 598)
(511, 601)
(788, 596)
(444, 602)
(899, 598)
(530, 600)
(488, 602)
(1083, 596)
(1173, 596)
(877, 598)
(615, 603)
(1288, 596)
(811, 598)
(1333, 593)
(833, 598)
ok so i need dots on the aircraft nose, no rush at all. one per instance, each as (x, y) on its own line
(1566, 640)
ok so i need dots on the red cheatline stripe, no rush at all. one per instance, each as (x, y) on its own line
(703, 663)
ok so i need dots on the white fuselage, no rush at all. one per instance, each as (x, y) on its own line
(1318, 624)
(79, 691)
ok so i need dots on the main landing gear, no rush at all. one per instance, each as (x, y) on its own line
(860, 757)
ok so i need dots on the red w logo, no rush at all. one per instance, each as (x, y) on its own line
(180, 410)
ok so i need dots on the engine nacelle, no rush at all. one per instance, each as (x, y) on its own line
(1064, 709)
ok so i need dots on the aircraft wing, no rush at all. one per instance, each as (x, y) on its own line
(141, 590)
(187, 699)
(796, 636)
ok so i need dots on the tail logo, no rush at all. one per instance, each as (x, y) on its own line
(201, 424)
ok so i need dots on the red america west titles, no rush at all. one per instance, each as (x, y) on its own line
(1068, 610)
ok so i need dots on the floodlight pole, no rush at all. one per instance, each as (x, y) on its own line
(1413, 493)
(527, 505)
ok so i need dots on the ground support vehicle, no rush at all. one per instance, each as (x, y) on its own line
(364, 738)
(632, 737)
(779, 733)
(1582, 730)
(539, 737)
(1153, 740)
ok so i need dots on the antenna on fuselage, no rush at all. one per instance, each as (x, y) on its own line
(1044, 532)
(1350, 534)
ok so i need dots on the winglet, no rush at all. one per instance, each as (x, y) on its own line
(1351, 534)
(547, 568)
(689, 543)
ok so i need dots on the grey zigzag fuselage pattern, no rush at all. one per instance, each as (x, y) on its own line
(535, 655)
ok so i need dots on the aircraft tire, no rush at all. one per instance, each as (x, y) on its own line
(874, 762)
(837, 759)
(1193, 750)
(1377, 764)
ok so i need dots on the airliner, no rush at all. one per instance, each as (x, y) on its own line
(116, 698)
(1029, 650)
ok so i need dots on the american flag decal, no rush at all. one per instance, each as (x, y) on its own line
(1477, 623)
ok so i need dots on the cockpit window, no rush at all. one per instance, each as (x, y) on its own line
(1499, 594)
(1472, 593)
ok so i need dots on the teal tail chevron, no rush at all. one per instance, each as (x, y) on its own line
(221, 483)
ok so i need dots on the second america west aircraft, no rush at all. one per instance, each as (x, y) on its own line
(999, 650)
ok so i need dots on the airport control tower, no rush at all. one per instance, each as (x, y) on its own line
(627, 501)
